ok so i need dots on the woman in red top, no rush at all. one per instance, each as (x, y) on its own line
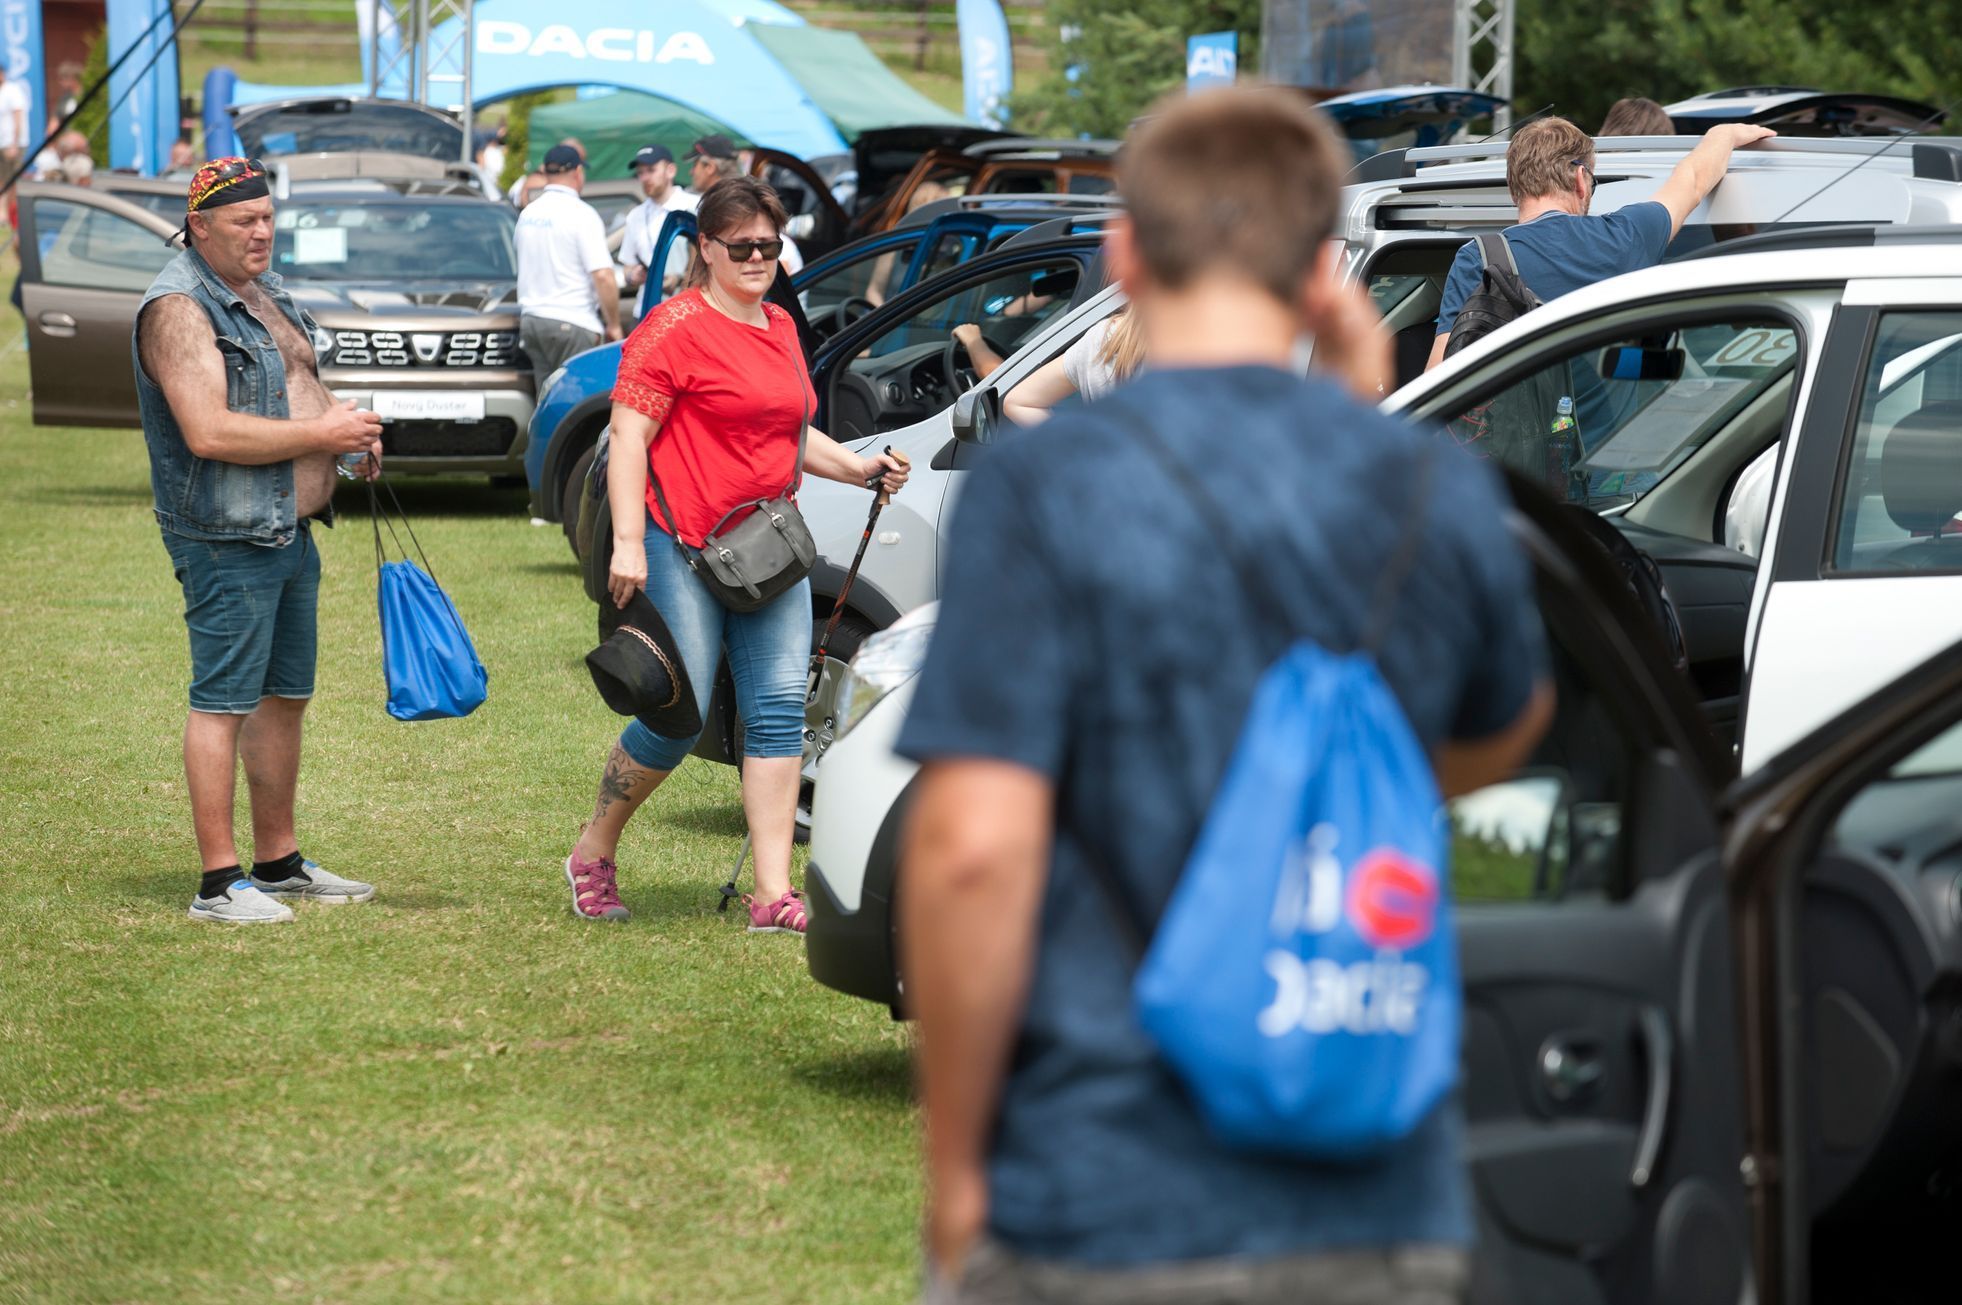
(711, 396)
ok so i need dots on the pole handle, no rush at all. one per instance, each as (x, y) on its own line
(872, 482)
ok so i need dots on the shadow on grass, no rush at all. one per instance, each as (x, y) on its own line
(709, 818)
(431, 496)
(881, 1075)
(91, 495)
(565, 568)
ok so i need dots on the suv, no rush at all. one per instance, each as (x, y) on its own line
(412, 294)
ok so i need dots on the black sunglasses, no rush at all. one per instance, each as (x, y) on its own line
(1590, 175)
(743, 250)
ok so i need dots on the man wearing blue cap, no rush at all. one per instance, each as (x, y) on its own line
(654, 168)
(565, 272)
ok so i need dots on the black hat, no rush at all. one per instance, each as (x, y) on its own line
(563, 158)
(650, 155)
(639, 672)
(713, 147)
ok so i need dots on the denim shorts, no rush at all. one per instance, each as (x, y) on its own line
(769, 653)
(251, 610)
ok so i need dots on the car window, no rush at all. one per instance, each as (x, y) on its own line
(1604, 425)
(613, 209)
(169, 206)
(1902, 493)
(1023, 181)
(872, 278)
(94, 249)
(1091, 183)
(394, 241)
(1006, 306)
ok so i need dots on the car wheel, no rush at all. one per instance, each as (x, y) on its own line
(575, 485)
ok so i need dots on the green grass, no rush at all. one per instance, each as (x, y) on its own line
(455, 1092)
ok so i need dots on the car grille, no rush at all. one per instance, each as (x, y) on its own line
(490, 438)
(426, 349)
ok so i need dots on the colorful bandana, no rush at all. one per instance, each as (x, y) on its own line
(227, 181)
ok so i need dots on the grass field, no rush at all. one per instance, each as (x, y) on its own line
(456, 1092)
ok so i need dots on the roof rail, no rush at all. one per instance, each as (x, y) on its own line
(1850, 235)
(995, 199)
(1043, 233)
(1842, 145)
(1026, 144)
(1739, 92)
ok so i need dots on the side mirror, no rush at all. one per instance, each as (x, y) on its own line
(977, 416)
(1639, 363)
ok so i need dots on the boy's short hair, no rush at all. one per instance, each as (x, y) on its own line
(1636, 116)
(1245, 179)
(1540, 161)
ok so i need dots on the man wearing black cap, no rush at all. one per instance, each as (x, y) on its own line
(242, 438)
(654, 168)
(565, 272)
(716, 158)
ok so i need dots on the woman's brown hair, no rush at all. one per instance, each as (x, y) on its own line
(727, 205)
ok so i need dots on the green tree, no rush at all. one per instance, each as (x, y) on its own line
(1582, 58)
(93, 120)
(517, 136)
(1125, 55)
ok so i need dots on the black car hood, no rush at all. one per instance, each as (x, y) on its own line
(463, 298)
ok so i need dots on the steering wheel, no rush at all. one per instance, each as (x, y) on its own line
(950, 366)
(1643, 577)
(846, 311)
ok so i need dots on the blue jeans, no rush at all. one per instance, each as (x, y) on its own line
(252, 612)
(769, 658)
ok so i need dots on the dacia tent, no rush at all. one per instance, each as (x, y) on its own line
(614, 127)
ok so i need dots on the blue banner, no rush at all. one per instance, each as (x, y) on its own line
(20, 46)
(1212, 59)
(987, 59)
(143, 107)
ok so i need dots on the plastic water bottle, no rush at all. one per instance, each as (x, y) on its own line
(1563, 440)
(349, 465)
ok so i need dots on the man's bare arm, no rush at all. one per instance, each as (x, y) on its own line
(1467, 765)
(607, 290)
(1437, 351)
(1698, 175)
(976, 858)
(180, 353)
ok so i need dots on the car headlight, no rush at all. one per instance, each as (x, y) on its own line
(884, 661)
(323, 345)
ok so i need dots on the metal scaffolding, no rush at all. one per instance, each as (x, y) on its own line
(422, 63)
(1481, 51)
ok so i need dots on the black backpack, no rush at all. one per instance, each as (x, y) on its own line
(1515, 426)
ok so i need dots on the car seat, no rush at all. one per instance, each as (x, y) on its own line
(1921, 484)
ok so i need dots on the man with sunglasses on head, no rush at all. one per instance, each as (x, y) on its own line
(566, 284)
(243, 439)
(1557, 245)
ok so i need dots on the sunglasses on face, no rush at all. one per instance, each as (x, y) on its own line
(1588, 172)
(742, 250)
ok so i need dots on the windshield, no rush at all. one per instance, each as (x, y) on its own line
(341, 126)
(394, 240)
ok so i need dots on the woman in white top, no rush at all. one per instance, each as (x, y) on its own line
(1109, 352)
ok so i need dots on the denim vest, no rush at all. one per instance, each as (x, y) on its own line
(201, 498)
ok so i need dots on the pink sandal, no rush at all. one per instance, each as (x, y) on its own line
(595, 891)
(785, 915)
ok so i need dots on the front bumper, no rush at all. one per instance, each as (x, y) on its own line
(494, 446)
(850, 951)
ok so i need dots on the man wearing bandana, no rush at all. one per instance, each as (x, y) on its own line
(243, 439)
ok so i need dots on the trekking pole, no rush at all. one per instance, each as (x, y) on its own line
(728, 890)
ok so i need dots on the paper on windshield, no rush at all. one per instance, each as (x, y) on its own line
(1671, 419)
(320, 245)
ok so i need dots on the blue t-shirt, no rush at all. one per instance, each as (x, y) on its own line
(1558, 253)
(1091, 629)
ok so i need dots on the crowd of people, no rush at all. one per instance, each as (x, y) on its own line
(1060, 789)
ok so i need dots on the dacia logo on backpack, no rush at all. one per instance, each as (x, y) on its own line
(1390, 903)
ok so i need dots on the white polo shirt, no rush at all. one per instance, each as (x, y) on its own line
(644, 225)
(561, 242)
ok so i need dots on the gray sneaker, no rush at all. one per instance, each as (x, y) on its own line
(313, 884)
(240, 903)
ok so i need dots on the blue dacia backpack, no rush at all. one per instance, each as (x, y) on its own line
(1303, 980)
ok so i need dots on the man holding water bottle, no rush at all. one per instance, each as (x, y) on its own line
(243, 441)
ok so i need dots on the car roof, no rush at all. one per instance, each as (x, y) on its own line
(325, 102)
(1782, 259)
(383, 192)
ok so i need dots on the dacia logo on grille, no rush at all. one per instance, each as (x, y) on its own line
(428, 347)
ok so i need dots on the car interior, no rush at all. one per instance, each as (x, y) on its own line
(1904, 478)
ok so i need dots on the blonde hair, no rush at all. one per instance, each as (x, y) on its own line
(1244, 179)
(1540, 161)
(1123, 348)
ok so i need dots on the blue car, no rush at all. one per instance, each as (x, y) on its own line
(834, 293)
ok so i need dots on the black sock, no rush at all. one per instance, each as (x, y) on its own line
(290, 866)
(217, 881)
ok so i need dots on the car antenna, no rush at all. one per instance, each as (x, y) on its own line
(1913, 131)
(1543, 110)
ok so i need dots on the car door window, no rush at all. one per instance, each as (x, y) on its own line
(1006, 306)
(1901, 496)
(1603, 425)
(871, 278)
(93, 249)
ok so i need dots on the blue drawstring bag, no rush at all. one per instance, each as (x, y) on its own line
(427, 658)
(1303, 980)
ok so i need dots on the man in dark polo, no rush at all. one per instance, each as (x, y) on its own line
(243, 439)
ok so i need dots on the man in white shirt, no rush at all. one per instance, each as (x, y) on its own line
(13, 120)
(565, 274)
(654, 168)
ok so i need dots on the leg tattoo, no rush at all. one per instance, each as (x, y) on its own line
(617, 784)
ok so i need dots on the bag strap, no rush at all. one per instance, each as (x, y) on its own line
(381, 516)
(1494, 250)
(796, 471)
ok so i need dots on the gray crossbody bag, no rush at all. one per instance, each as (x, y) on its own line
(766, 553)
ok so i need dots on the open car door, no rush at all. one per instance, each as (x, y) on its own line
(807, 197)
(86, 260)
